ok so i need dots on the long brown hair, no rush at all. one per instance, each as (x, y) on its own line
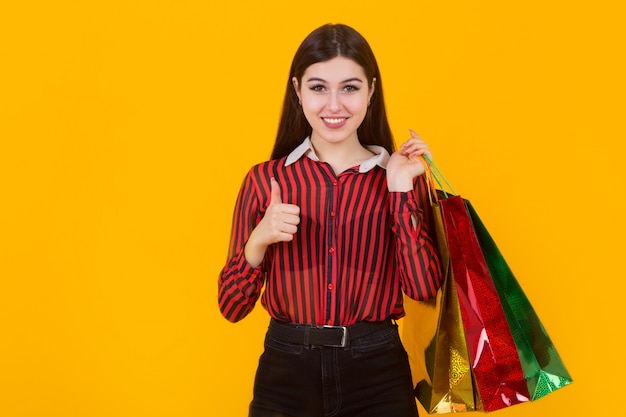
(323, 44)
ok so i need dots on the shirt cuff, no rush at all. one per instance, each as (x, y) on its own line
(249, 284)
(403, 202)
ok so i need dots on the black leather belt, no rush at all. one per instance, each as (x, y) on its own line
(333, 336)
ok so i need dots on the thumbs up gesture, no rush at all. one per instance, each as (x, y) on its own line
(279, 224)
(275, 197)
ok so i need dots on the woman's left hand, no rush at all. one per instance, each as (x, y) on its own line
(405, 164)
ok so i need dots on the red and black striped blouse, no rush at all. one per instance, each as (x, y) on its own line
(355, 251)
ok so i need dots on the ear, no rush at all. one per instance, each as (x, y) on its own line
(372, 88)
(296, 87)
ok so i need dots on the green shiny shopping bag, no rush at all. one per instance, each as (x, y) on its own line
(543, 368)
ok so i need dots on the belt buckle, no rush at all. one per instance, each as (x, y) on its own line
(344, 336)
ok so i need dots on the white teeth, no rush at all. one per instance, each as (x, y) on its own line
(334, 121)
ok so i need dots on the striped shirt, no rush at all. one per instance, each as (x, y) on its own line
(357, 248)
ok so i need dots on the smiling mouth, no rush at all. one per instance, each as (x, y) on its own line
(334, 120)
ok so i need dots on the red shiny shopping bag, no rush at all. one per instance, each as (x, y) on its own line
(494, 358)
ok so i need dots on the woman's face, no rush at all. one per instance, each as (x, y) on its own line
(335, 95)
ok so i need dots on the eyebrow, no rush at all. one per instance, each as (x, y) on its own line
(349, 80)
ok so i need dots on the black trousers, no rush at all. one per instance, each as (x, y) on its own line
(370, 377)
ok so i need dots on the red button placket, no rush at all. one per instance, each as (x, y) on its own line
(331, 280)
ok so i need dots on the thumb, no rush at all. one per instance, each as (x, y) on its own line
(275, 189)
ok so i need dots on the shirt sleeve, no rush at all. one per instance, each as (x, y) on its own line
(417, 259)
(239, 284)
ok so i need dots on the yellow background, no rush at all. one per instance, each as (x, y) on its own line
(126, 128)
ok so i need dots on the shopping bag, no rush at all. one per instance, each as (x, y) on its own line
(467, 360)
(494, 358)
(434, 338)
(543, 368)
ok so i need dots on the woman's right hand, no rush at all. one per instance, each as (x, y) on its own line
(279, 224)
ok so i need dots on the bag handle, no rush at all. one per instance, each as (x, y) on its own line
(430, 181)
(433, 174)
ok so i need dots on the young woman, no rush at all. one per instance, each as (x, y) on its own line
(335, 226)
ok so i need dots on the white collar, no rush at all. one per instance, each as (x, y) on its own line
(306, 149)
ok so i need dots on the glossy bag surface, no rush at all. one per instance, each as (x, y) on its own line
(479, 345)
(495, 363)
(543, 368)
(434, 338)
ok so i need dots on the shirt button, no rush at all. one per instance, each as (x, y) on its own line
(331, 286)
(332, 214)
(331, 250)
(329, 322)
(334, 182)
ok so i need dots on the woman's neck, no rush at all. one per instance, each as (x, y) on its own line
(343, 155)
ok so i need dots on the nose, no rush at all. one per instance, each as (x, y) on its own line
(334, 102)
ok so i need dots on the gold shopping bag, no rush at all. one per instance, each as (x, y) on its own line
(434, 338)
